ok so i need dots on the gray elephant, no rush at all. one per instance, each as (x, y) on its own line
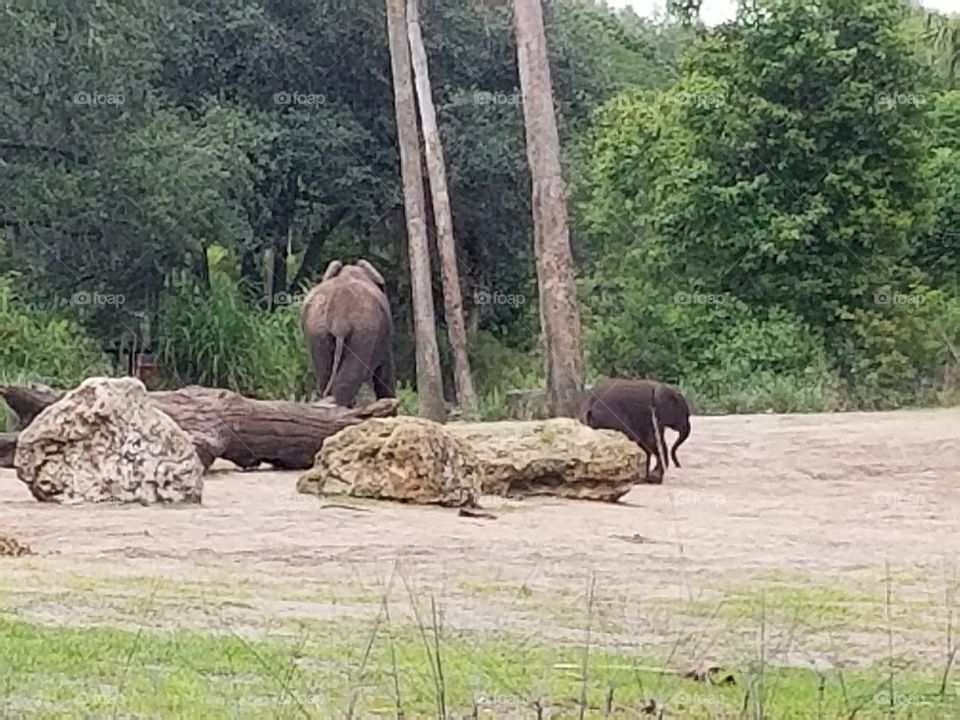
(347, 324)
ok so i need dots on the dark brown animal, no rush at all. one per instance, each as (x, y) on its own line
(347, 324)
(672, 412)
(640, 409)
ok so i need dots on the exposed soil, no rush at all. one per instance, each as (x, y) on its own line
(812, 508)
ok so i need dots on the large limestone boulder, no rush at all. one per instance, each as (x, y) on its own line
(106, 441)
(406, 459)
(559, 457)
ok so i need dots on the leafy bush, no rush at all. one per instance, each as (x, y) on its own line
(497, 366)
(905, 347)
(739, 183)
(728, 356)
(39, 345)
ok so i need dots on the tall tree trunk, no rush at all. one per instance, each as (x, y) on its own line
(429, 380)
(446, 245)
(559, 312)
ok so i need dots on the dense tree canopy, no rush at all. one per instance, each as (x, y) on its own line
(763, 210)
(135, 136)
(784, 177)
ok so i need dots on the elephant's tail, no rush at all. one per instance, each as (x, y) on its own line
(335, 368)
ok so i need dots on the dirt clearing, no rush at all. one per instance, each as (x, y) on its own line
(799, 524)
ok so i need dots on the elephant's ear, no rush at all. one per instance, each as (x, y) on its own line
(372, 272)
(332, 269)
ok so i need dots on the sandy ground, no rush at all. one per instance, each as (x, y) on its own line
(812, 508)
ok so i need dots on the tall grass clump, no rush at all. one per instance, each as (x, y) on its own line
(217, 338)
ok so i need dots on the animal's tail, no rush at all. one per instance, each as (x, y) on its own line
(658, 438)
(335, 368)
(684, 434)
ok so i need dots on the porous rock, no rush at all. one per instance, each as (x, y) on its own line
(406, 459)
(559, 457)
(106, 441)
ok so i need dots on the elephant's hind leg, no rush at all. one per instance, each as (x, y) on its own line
(321, 355)
(383, 380)
(354, 371)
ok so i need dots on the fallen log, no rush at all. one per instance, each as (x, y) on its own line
(224, 424)
(8, 445)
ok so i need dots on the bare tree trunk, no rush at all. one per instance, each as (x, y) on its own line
(429, 380)
(559, 311)
(446, 246)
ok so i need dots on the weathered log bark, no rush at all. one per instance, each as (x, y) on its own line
(225, 425)
(27, 402)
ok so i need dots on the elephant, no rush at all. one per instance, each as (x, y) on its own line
(641, 409)
(348, 328)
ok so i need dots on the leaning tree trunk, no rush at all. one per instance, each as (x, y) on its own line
(446, 246)
(429, 380)
(559, 312)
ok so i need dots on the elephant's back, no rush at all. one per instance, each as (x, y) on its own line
(344, 302)
(621, 401)
(623, 390)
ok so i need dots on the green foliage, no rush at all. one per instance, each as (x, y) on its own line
(718, 347)
(910, 342)
(937, 254)
(783, 179)
(40, 344)
(805, 159)
(136, 136)
(408, 399)
(218, 339)
(497, 366)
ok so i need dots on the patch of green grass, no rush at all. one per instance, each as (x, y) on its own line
(811, 602)
(56, 672)
(163, 586)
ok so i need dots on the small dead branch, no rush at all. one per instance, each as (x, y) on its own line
(336, 506)
(474, 514)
